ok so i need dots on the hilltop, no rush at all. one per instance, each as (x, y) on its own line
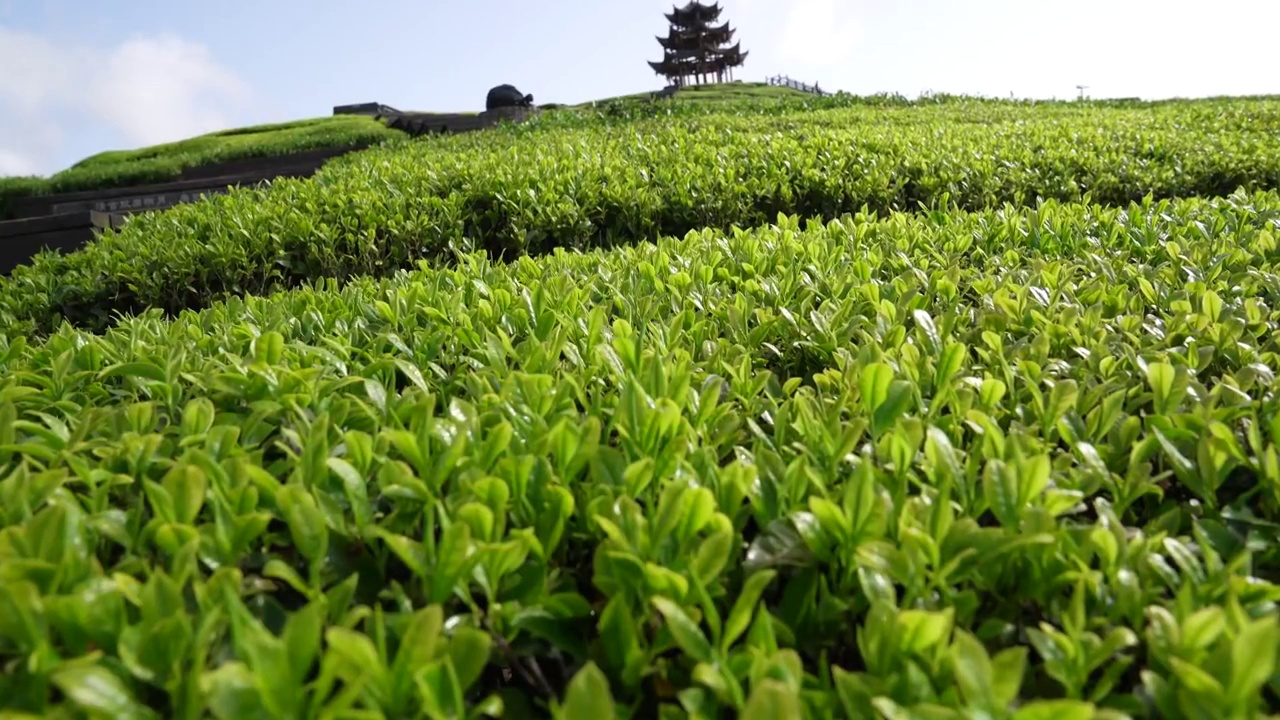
(177, 160)
(717, 93)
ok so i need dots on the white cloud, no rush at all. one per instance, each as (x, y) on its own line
(801, 38)
(146, 89)
(819, 33)
(11, 163)
(159, 89)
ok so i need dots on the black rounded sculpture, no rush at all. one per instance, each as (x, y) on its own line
(505, 96)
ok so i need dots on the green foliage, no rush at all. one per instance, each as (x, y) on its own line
(16, 188)
(161, 163)
(1016, 464)
(580, 182)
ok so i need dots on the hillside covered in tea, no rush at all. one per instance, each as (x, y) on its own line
(771, 406)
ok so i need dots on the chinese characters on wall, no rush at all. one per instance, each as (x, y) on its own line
(148, 202)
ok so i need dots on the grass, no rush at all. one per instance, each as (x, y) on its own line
(166, 162)
(253, 141)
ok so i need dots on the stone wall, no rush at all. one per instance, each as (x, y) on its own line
(440, 123)
(191, 185)
(20, 240)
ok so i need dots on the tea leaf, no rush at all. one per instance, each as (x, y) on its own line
(588, 696)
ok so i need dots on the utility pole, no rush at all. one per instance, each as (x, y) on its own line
(1081, 88)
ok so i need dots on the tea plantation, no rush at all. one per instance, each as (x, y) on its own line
(845, 408)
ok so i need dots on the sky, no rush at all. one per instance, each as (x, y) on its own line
(81, 76)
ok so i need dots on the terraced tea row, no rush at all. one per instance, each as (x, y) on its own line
(160, 163)
(531, 189)
(1020, 464)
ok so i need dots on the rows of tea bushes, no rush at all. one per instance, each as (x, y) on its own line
(1017, 464)
(527, 190)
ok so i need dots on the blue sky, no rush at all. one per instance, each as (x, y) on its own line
(81, 76)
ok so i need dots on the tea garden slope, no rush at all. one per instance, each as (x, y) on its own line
(1019, 464)
(582, 181)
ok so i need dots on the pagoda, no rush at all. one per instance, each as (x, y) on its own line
(695, 50)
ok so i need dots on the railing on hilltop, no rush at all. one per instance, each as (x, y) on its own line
(785, 81)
